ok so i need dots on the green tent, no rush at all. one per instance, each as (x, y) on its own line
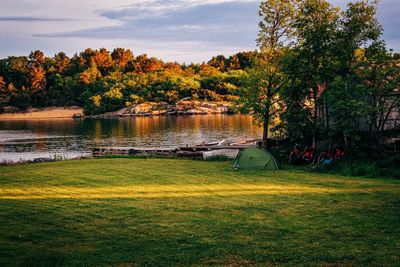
(255, 158)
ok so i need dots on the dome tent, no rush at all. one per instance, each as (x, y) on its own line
(255, 158)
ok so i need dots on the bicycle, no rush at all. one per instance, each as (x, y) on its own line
(331, 154)
(307, 156)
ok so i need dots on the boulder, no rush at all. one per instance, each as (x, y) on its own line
(143, 108)
(122, 111)
(77, 116)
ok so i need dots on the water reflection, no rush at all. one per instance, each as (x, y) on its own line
(59, 136)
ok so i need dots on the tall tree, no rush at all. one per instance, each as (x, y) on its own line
(380, 74)
(312, 66)
(358, 50)
(260, 95)
(37, 74)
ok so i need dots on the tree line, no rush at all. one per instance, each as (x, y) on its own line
(101, 81)
(324, 73)
(320, 72)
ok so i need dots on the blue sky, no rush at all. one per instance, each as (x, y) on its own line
(181, 30)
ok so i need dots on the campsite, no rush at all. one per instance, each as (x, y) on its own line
(199, 133)
(178, 212)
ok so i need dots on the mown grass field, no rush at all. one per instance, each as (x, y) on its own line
(169, 212)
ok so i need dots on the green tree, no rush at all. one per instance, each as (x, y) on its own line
(16, 71)
(380, 74)
(359, 51)
(262, 85)
(312, 66)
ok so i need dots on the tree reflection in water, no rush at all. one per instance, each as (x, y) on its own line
(81, 135)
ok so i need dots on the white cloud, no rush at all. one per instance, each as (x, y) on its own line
(170, 29)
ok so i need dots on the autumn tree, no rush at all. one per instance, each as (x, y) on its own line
(103, 60)
(173, 68)
(37, 74)
(121, 57)
(144, 64)
(218, 62)
(84, 59)
(91, 74)
(233, 63)
(208, 71)
(62, 62)
(2, 84)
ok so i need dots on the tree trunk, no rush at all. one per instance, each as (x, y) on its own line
(345, 139)
(314, 141)
(265, 130)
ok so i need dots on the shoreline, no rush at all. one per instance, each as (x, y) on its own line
(45, 113)
(147, 109)
(182, 107)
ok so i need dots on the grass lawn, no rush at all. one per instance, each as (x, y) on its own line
(168, 212)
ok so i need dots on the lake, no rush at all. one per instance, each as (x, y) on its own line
(67, 138)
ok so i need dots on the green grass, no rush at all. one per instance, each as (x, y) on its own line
(388, 167)
(169, 212)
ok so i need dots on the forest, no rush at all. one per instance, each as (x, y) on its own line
(101, 81)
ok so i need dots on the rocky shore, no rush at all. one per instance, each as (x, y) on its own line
(184, 107)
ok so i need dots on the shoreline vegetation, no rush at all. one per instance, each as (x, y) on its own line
(101, 81)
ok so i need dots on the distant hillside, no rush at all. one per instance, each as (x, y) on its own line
(102, 81)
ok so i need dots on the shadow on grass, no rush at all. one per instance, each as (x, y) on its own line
(44, 259)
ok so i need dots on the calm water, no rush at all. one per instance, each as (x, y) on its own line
(70, 138)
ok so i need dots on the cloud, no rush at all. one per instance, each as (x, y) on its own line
(183, 30)
(388, 14)
(32, 19)
(223, 23)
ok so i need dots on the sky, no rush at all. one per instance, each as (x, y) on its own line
(174, 30)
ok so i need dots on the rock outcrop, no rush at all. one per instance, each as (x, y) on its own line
(183, 107)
